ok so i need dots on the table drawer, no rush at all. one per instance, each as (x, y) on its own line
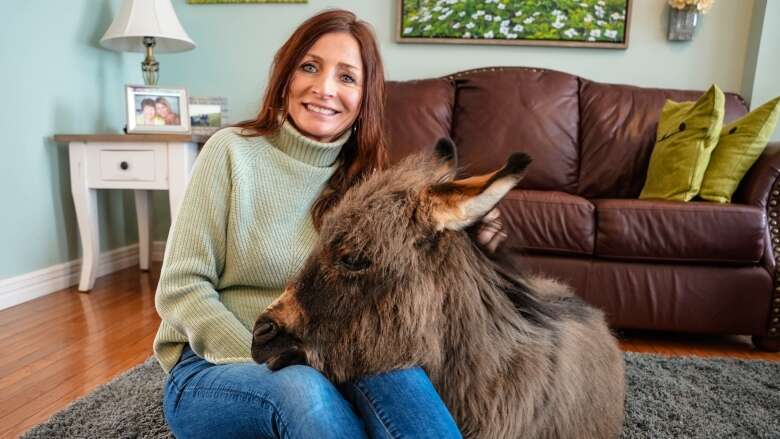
(126, 165)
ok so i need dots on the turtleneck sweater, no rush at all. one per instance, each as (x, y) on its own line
(243, 230)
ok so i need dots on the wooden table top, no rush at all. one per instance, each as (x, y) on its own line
(114, 137)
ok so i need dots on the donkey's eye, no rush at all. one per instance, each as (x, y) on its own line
(354, 262)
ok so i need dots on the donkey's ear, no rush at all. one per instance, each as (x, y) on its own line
(460, 203)
(447, 157)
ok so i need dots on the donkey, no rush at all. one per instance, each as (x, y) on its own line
(396, 282)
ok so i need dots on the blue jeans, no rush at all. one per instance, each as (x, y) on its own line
(247, 400)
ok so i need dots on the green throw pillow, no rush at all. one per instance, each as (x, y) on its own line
(687, 134)
(740, 144)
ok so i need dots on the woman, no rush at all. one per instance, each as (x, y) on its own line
(248, 220)
(148, 114)
(164, 110)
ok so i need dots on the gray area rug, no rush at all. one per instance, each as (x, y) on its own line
(666, 398)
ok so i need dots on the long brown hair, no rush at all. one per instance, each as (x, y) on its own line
(366, 148)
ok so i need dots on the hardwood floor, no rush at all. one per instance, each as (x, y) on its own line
(59, 347)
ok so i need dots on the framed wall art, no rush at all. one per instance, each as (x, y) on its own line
(580, 23)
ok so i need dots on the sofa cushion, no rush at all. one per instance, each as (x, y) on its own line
(673, 231)
(741, 143)
(618, 127)
(418, 113)
(548, 222)
(499, 111)
(687, 134)
(678, 297)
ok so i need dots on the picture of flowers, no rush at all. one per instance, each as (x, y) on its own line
(579, 23)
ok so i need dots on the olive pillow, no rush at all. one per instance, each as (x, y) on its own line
(740, 144)
(687, 134)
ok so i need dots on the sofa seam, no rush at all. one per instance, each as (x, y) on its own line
(658, 258)
(644, 209)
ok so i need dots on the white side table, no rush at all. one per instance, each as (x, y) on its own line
(142, 162)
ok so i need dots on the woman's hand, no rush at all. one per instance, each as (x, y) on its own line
(489, 232)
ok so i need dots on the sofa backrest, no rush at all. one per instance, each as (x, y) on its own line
(499, 111)
(586, 138)
(417, 114)
(491, 113)
(618, 124)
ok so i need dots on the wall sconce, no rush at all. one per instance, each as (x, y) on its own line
(684, 17)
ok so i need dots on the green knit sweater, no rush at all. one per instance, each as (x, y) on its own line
(243, 230)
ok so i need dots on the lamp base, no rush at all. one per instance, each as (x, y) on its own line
(149, 66)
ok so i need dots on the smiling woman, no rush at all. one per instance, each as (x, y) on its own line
(248, 221)
(326, 88)
(335, 50)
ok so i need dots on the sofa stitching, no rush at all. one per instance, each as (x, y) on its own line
(560, 249)
(497, 69)
(552, 203)
(773, 322)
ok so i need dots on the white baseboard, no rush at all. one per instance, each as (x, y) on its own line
(19, 289)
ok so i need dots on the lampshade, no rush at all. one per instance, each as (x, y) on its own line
(146, 18)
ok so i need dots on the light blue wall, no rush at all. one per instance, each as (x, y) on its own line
(237, 42)
(765, 84)
(54, 80)
(53, 68)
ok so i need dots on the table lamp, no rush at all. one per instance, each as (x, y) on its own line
(147, 25)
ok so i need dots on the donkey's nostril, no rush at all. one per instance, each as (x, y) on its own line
(264, 331)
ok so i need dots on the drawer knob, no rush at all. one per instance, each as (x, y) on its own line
(124, 166)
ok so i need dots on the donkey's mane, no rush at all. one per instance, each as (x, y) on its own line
(411, 173)
(524, 298)
(420, 170)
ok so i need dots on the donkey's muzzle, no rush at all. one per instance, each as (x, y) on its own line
(274, 345)
(264, 331)
(264, 337)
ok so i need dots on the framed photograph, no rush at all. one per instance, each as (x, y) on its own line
(153, 109)
(207, 114)
(581, 23)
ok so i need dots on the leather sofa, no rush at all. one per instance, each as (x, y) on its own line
(696, 267)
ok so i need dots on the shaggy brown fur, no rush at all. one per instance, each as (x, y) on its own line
(395, 283)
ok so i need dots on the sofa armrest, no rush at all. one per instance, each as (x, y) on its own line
(761, 188)
(757, 184)
(756, 189)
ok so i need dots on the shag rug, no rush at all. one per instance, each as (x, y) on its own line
(666, 398)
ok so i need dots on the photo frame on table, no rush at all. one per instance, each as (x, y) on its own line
(152, 109)
(207, 114)
(582, 23)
